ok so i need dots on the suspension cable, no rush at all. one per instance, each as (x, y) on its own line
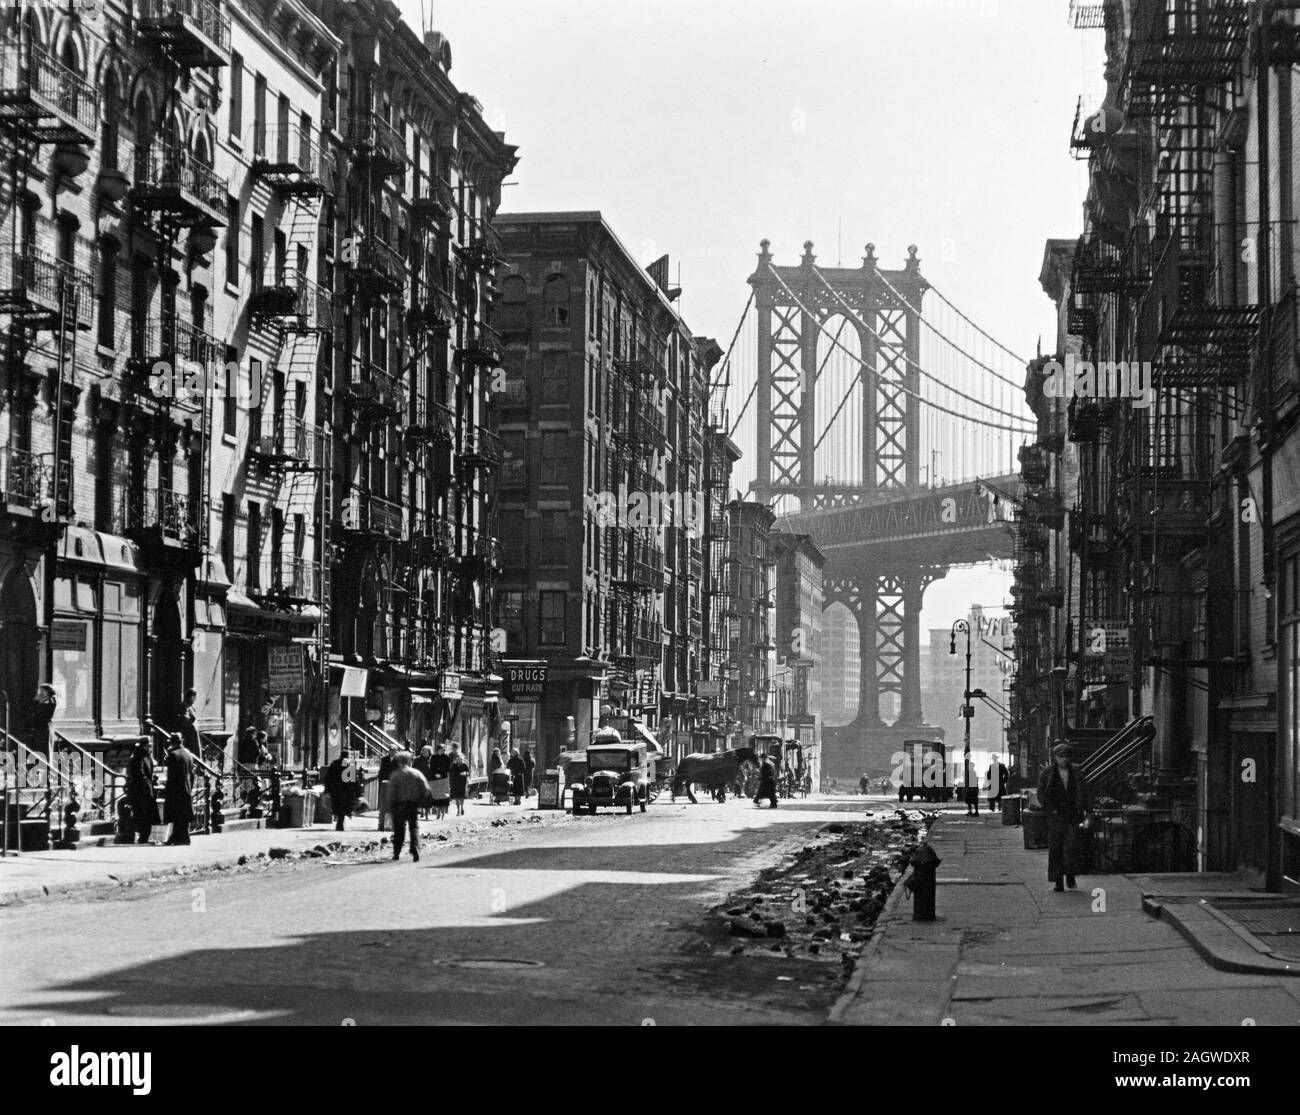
(907, 359)
(947, 302)
(898, 386)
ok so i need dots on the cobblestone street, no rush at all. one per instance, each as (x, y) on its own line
(599, 920)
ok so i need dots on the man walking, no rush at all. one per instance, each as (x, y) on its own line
(341, 785)
(997, 776)
(408, 789)
(1063, 796)
(766, 781)
(178, 797)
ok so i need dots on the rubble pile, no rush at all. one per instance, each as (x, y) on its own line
(824, 902)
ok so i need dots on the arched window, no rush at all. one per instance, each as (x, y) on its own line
(555, 300)
(512, 310)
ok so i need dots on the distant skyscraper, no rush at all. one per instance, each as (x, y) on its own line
(840, 666)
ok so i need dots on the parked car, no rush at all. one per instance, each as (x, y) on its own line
(617, 775)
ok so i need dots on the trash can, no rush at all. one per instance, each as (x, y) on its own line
(294, 807)
(1035, 828)
(1011, 809)
(550, 790)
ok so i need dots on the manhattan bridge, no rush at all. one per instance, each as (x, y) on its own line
(884, 423)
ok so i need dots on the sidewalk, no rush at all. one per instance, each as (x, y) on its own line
(36, 874)
(1007, 950)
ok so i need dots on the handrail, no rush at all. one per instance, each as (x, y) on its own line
(198, 760)
(1119, 748)
(53, 779)
(377, 742)
(114, 781)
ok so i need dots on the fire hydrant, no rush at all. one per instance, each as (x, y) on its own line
(922, 882)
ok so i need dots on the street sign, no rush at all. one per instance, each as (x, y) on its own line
(284, 669)
(525, 682)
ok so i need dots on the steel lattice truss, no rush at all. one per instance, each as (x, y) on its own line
(786, 444)
(890, 651)
(893, 451)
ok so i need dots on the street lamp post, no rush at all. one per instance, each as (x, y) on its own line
(967, 709)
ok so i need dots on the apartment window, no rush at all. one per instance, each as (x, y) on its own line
(112, 122)
(514, 471)
(230, 389)
(1289, 631)
(554, 537)
(512, 310)
(552, 628)
(107, 292)
(555, 300)
(253, 550)
(236, 95)
(277, 547)
(282, 129)
(257, 257)
(554, 462)
(232, 240)
(229, 516)
(555, 379)
(259, 115)
(511, 618)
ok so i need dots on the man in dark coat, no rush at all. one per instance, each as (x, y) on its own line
(387, 765)
(140, 792)
(1063, 795)
(998, 777)
(341, 785)
(766, 781)
(178, 797)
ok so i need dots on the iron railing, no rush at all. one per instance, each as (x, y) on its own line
(33, 78)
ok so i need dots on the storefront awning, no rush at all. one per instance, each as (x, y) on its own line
(246, 618)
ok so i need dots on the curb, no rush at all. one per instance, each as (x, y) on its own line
(1218, 940)
(180, 870)
(854, 987)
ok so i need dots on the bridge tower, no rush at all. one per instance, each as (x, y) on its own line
(794, 306)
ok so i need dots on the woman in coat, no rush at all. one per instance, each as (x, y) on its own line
(496, 762)
(517, 771)
(440, 781)
(140, 793)
(1063, 795)
(458, 776)
(424, 764)
(530, 772)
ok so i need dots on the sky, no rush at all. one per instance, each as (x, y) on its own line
(700, 127)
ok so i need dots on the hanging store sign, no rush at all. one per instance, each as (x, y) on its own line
(449, 688)
(524, 682)
(709, 689)
(355, 682)
(284, 669)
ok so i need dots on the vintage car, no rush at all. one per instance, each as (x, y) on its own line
(617, 774)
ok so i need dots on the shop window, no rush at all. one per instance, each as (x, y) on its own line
(73, 642)
(553, 626)
(120, 693)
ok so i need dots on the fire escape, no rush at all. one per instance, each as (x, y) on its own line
(42, 102)
(174, 191)
(637, 650)
(1182, 74)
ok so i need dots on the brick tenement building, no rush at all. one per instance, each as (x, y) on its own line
(293, 201)
(798, 631)
(603, 427)
(1180, 558)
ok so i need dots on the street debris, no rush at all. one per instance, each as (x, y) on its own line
(823, 902)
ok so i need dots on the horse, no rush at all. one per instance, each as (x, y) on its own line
(712, 771)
